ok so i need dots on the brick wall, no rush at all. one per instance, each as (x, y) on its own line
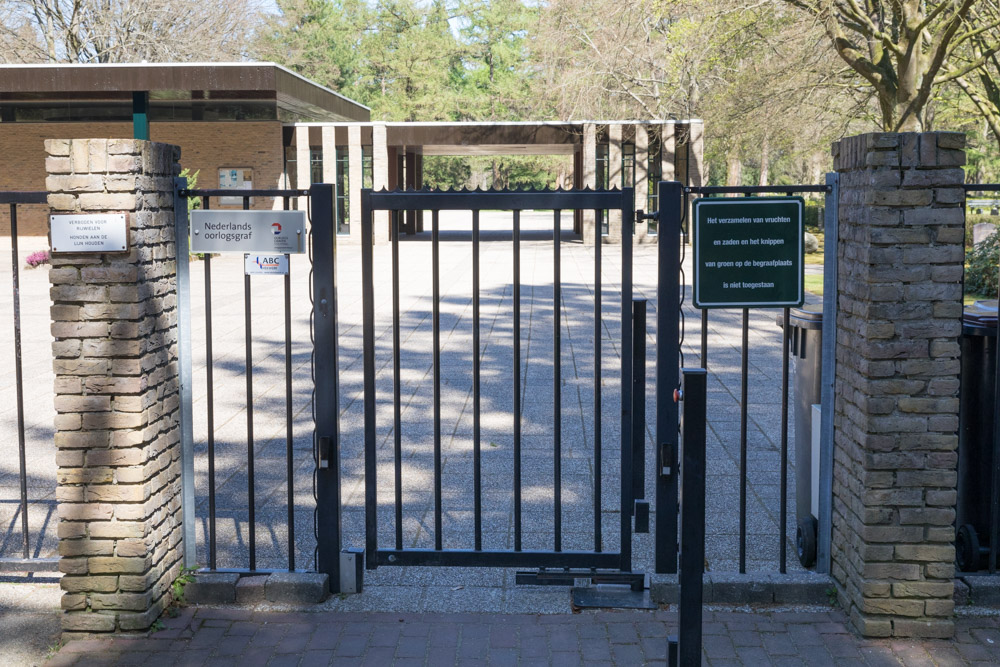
(206, 146)
(900, 262)
(114, 321)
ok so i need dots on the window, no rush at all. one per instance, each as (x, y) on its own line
(343, 192)
(655, 172)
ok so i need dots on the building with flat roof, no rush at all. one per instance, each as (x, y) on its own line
(259, 125)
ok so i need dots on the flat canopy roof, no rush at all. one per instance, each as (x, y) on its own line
(294, 97)
(498, 137)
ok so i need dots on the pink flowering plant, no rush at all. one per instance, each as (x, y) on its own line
(37, 258)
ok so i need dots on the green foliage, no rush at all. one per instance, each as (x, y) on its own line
(177, 587)
(192, 179)
(813, 215)
(446, 172)
(981, 266)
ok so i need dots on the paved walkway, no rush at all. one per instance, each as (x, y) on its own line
(247, 638)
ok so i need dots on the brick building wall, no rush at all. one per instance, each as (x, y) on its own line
(206, 146)
(900, 263)
(114, 324)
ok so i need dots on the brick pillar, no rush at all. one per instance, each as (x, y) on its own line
(896, 419)
(114, 321)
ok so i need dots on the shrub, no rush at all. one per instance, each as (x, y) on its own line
(37, 258)
(981, 266)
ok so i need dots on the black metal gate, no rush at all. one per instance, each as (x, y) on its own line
(478, 555)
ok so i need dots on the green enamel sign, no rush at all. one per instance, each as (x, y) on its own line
(748, 252)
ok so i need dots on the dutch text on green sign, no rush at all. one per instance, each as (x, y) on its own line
(748, 253)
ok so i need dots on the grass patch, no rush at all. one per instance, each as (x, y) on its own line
(815, 257)
(814, 283)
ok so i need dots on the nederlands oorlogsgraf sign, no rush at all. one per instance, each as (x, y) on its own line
(264, 232)
(748, 253)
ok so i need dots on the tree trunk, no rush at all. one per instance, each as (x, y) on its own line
(734, 169)
(765, 162)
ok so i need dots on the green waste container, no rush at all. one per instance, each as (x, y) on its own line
(976, 448)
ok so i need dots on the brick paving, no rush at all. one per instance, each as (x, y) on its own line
(244, 637)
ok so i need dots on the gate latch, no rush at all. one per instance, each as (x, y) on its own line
(666, 458)
(641, 215)
(325, 451)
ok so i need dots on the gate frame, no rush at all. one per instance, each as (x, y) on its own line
(557, 200)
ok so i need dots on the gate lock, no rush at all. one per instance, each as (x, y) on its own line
(666, 458)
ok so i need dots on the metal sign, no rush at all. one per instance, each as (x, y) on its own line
(748, 253)
(265, 265)
(92, 232)
(264, 232)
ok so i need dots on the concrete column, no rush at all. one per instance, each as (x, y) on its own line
(329, 144)
(615, 178)
(668, 152)
(303, 174)
(900, 261)
(329, 154)
(355, 179)
(114, 325)
(589, 169)
(641, 177)
(381, 166)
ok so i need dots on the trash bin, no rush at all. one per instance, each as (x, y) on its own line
(805, 346)
(976, 448)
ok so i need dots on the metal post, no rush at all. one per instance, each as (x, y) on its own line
(667, 363)
(638, 401)
(829, 373)
(327, 405)
(368, 364)
(181, 242)
(743, 439)
(628, 229)
(692, 569)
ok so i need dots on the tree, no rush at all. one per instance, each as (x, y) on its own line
(902, 48)
(107, 31)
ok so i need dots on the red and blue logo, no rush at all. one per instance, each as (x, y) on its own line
(276, 226)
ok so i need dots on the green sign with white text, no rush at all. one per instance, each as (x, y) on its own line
(748, 252)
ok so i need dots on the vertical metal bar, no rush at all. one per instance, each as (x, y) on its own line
(322, 199)
(368, 361)
(21, 457)
(783, 530)
(830, 235)
(704, 338)
(476, 462)
(557, 377)
(252, 523)
(436, 361)
(517, 380)
(598, 427)
(185, 372)
(692, 518)
(210, 398)
(628, 228)
(667, 376)
(638, 401)
(397, 419)
(289, 416)
(995, 476)
(743, 440)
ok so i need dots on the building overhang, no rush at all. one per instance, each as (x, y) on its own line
(177, 91)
